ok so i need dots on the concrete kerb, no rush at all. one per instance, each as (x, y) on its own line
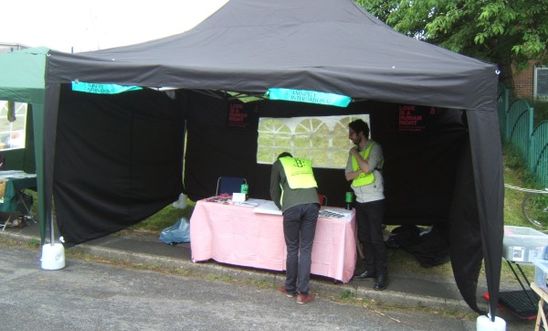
(391, 298)
(323, 288)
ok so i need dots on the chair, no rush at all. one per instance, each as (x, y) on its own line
(16, 206)
(229, 185)
(11, 219)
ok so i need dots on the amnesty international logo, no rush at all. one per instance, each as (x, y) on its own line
(299, 163)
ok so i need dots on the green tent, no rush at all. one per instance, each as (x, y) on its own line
(22, 80)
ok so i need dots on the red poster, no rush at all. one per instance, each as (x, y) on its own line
(414, 119)
(237, 115)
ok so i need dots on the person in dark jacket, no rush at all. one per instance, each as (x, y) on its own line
(293, 190)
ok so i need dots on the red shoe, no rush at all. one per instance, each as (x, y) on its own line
(287, 294)
(305, 298)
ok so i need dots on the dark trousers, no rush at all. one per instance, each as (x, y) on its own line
(370, 216)
(299, 229)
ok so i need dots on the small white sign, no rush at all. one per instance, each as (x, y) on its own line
(517, 253)
(238, 197)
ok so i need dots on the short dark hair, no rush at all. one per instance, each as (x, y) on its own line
(284, 154)
(359, 126)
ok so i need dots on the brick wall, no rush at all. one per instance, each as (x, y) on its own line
(524, 80)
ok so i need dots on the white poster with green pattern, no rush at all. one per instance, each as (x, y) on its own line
(322, 139)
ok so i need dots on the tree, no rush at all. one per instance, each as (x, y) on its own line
(505, 32)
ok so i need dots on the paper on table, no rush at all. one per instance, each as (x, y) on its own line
(334, 212)
(267, 207)
(7, 174)
(246, 204)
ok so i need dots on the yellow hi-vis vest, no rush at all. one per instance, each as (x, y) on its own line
(363, 178)
(298, 172)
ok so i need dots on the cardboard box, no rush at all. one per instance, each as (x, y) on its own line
(523, 244)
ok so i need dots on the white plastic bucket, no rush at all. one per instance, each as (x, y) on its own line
(53, 256)
(484, 323)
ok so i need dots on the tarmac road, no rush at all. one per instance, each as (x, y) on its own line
(92, 296)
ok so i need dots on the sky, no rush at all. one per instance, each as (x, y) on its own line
(77, 26)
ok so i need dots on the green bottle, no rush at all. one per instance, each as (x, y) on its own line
(348, 199)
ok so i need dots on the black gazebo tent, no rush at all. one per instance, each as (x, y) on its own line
(106, 172)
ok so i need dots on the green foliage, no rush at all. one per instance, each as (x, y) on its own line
(515, 174)
(500, 31)
(347, 295)
(164, 218)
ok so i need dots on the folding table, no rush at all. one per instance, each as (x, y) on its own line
(245, 234)
(14, 182)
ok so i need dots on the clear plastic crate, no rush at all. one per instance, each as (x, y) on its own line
(541, 271)
(523, 244)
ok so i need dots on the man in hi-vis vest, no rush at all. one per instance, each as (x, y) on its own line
(293, 190)
(365, 160)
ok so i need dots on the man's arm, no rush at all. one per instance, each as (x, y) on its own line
(362, 163)
(375, 157)
(349, 174)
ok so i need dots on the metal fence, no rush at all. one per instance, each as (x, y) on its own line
(517, 127)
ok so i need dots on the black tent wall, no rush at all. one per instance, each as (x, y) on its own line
(118, 160)
(420, 166)
(144, 133)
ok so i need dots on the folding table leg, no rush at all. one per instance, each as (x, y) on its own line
(541, 316)
(28, 212)
(7, 222)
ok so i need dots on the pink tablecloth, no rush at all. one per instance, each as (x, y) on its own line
(236, 235)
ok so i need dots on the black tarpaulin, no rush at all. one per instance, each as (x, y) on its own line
(118, 161)
(330, 46)
(327, 45)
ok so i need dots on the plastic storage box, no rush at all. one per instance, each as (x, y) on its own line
(523, 244)
(541, 273)
(541, 269)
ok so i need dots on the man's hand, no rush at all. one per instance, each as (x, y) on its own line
(351, 175)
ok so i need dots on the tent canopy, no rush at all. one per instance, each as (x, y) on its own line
(331, 46)
(23, 80)
(22, 76)
(250, 46)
